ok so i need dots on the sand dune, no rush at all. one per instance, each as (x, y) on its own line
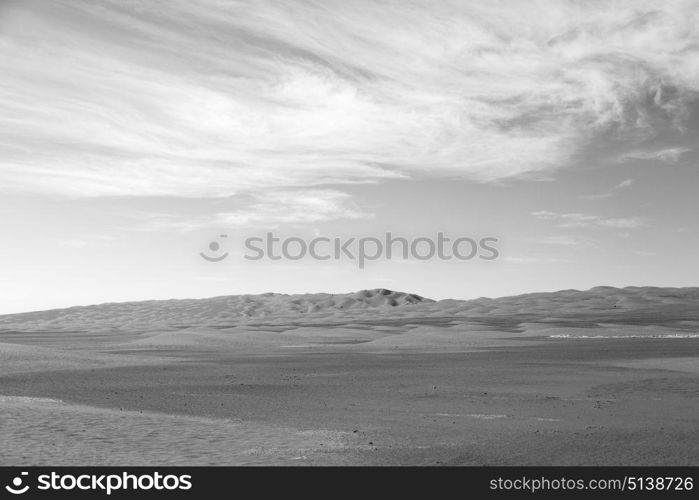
(601, 304)
(203, 312)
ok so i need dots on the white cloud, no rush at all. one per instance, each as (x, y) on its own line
(626, 183)
(269, 209)
(203, 98)
(535, 260)
(669, 155)
(293, 207)
(621, 223)
(571, 220)
(558, 240)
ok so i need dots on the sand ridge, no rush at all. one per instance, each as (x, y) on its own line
(625, 305)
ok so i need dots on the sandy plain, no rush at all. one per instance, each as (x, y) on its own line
(601, 377)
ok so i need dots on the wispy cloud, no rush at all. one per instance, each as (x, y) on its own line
(535, 260)
(559, 240)
(269, 209)
(294, 207)
(203, 98)
(669, 155)
(571, 220)
(626, 183)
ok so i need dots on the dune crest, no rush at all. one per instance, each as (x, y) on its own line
(210, 311)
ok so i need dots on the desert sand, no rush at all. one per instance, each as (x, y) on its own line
(600, 377)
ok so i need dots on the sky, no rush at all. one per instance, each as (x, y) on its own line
(133, 134)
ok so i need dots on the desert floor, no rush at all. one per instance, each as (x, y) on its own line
(370, 392)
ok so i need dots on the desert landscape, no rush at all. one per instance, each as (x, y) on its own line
(606, 376)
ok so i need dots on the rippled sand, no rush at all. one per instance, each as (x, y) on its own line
(49, 431)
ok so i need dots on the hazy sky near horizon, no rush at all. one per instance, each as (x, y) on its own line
(133, 133)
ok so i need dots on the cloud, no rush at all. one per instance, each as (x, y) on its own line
(668, 155)
(571, 220)
(294, 207)
(536, 260)
(268, 209)
(558, 240)
(203, 98)
(626, 183)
